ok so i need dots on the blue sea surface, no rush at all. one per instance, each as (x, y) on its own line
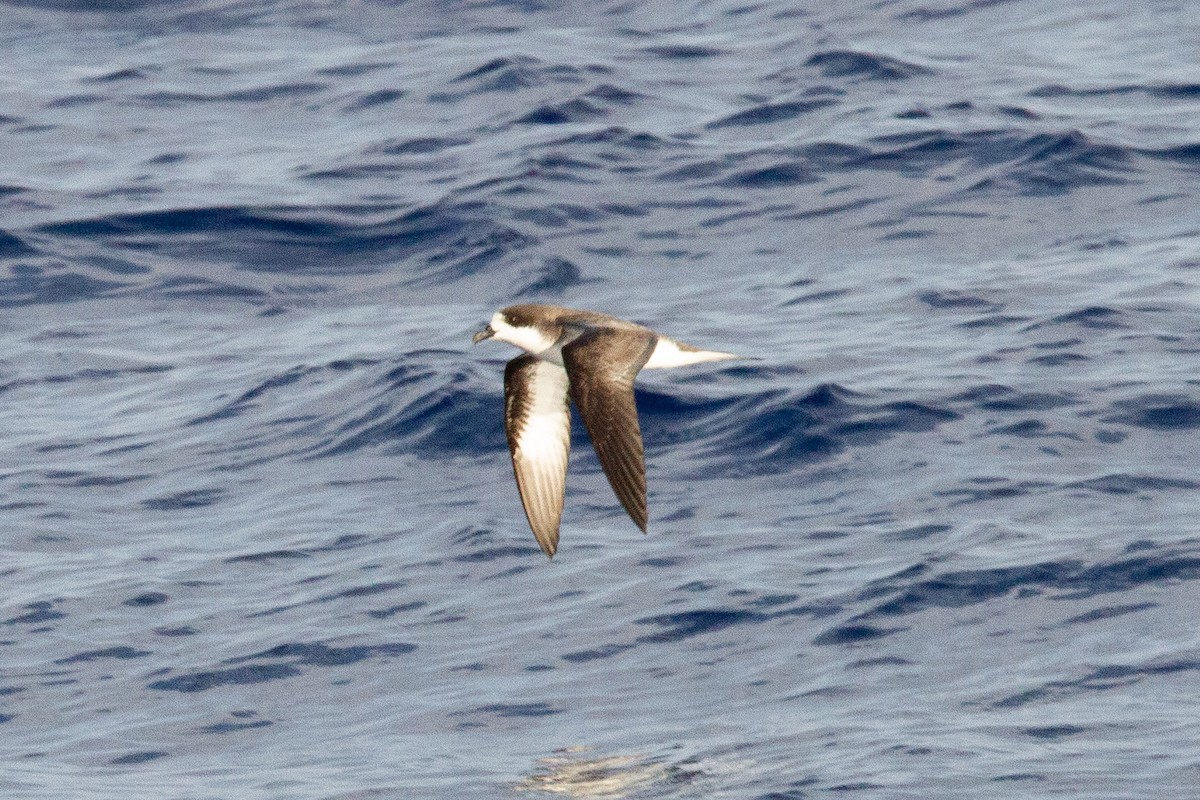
(261, 536)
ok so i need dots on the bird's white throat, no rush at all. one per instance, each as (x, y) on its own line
(530, 339)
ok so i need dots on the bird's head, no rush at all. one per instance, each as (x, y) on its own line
(517, 325)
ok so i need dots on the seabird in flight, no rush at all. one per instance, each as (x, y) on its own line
(592, 359)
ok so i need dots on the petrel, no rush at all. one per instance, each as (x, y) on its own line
(592, 359)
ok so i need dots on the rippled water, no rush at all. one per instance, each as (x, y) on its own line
(262, 534)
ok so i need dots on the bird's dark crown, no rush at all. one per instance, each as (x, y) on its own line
(528, 315)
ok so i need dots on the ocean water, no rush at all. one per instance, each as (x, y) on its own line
(261, 537)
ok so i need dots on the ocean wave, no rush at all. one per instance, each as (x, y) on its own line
(278, 663)
(871, 66)
(434, 405)
(431, 245)
(923, 587)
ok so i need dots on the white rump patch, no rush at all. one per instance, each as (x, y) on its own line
(667, 354)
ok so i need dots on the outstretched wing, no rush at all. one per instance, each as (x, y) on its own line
(537, 421)
(601, 364)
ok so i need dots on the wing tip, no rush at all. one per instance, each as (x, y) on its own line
(548, 543)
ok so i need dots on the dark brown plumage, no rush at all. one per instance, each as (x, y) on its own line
(606, 363)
